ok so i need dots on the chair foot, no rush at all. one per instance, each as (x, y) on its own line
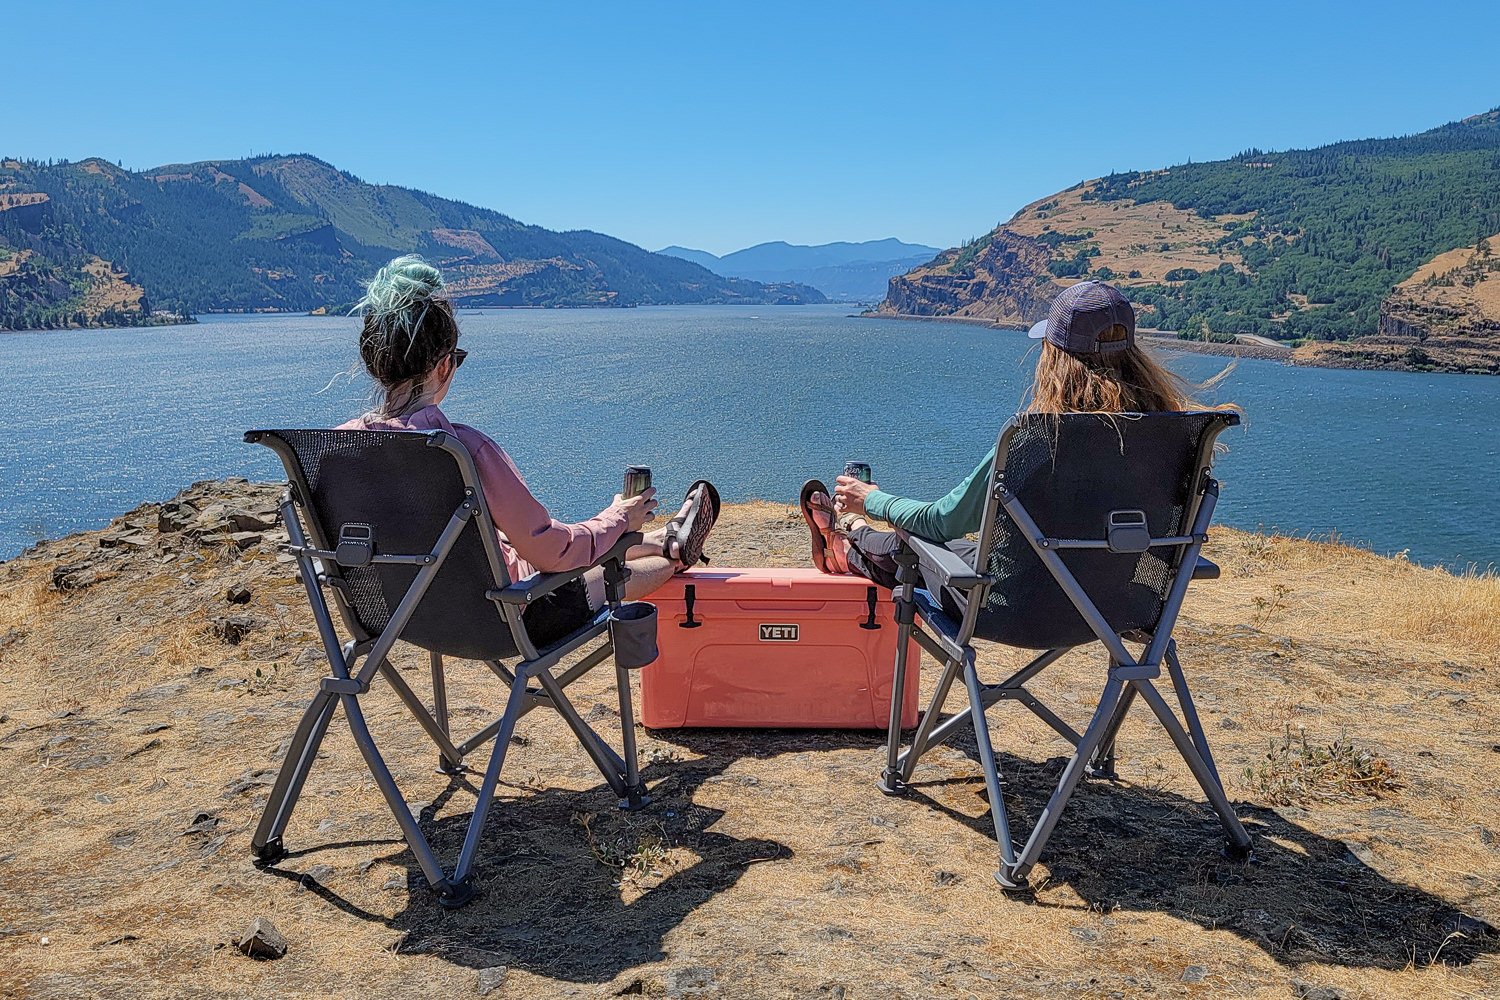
(891, 784)
(1010, 881)
(445, 766)
(452, 895)
(268, 853)
(636, 799)
(1104, 771)
(1238, 853)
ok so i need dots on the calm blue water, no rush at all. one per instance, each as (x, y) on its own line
(756, 398)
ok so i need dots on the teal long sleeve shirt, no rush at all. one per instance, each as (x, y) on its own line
(954, 516)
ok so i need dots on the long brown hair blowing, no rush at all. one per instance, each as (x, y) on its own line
(1128, 381)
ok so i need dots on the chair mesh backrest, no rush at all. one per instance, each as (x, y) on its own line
(1069, 472)
(406, 490)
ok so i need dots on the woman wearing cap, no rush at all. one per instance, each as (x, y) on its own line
(409, 345)
(1090, 363)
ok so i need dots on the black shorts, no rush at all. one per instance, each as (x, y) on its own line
(555, 616)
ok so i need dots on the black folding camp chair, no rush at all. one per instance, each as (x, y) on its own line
(1091, 534)
(394, 525)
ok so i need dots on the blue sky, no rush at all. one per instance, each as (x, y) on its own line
(720, 125)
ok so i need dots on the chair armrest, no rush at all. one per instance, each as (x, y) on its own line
(523, 592)
(1205, 570)
(943, 564)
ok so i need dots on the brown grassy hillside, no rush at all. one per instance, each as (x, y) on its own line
(1352, 701)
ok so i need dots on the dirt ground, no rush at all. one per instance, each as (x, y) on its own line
(1352, 702)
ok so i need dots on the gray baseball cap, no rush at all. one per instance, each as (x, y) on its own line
(1081, 313)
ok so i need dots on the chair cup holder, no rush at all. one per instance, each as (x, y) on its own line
(632, 629)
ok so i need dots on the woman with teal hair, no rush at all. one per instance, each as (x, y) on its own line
(409, 345)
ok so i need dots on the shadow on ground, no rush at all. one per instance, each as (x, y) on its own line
(1301, 898)
(553, 904)
(550, 870)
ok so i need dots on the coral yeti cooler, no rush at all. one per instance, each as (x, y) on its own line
(774, 647)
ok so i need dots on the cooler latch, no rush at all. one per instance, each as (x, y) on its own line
(871, 596)
(689, 596)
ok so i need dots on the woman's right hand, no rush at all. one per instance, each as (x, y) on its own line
(638, 509)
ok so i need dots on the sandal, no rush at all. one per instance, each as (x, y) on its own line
(688, 529)
(817, 532)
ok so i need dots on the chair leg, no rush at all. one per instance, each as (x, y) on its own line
(462, 884)
(393, 798)
(1189, 712)
(991, 767)
(923, 738)
(635, 790)
(1072, 774)
(266, 843)
(445, 765)
(610, 765)
(1239, 839)
(1102, 765)
(891, 780)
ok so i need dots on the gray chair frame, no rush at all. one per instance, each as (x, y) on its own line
(919, 615)
(314, 545)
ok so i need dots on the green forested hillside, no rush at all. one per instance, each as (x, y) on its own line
(1338, 226)
(292, 232)
(1301, 246)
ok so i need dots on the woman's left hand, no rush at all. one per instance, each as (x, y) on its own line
(849, 496)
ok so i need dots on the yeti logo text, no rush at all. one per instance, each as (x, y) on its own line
(778, 633)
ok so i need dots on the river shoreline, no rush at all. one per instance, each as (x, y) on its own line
(1153, 338)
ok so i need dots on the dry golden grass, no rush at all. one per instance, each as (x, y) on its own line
(768, 866)
(1129, 235)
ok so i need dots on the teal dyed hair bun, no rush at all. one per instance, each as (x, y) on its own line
(396, 294)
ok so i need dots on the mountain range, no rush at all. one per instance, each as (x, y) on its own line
(90, 243)
(1373, 252)
(856, 272)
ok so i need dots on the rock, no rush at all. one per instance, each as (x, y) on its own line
(243, 540)
(249, 780)
(491, 979)
(1304, 990)
(316, 875)
(79, 576)
(160, 692)
(261, 940)
(944, 879)
(1085, 934)
(238, 594)
(232, 629)
(1194, 974)
(691, 980)
(258, 521)
(203, 823)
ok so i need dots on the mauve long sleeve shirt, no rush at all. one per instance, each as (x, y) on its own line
(531, 539)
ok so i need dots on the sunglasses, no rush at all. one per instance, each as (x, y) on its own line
(458, 354)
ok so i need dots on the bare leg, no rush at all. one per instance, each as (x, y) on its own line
(647, 574)
(649, 569)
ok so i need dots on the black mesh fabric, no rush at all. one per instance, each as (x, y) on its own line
(406, 491)
(1070, 472)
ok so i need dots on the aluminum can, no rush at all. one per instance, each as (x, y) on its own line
(637, 481)
(859, 470)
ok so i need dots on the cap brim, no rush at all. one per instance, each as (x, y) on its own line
(1038, 331)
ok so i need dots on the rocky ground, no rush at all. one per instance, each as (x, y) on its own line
(151, 672)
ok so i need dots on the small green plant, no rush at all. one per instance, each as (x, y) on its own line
(1296, 769)
(1268, 606)
(635, 853)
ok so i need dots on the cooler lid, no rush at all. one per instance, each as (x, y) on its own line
(732, 583)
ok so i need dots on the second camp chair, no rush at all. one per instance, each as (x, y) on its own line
(1091, 533)
(394, 526)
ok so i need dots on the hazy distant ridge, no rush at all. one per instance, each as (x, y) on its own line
(850, 271)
